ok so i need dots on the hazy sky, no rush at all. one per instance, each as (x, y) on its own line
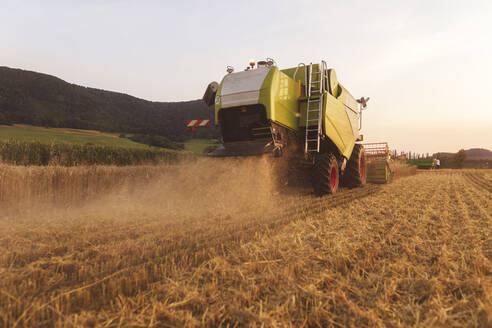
(426, 65)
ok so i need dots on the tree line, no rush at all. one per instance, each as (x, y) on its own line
(43, 100)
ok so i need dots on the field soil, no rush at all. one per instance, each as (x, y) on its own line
(217, 243)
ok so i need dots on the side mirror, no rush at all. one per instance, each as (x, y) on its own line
(363, 102)
(363, 105)
(209, 96)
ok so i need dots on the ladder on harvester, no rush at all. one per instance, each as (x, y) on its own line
(314, 109)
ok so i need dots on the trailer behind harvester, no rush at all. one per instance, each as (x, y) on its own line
(378, 167)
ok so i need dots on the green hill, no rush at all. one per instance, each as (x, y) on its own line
(39, 99)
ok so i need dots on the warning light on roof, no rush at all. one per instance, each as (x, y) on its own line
(252, 62)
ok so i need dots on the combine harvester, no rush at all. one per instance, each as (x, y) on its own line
(301, 113)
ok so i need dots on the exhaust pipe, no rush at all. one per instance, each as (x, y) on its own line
(209, 96)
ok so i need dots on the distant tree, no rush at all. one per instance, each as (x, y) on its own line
(459, 158)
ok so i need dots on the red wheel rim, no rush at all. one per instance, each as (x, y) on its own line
(333, 177)
(362, 167)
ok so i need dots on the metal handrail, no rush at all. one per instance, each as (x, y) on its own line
(310, 78)
(324, 70)
(295, 73)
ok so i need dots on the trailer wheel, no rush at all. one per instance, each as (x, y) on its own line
(325, 174)
(355, 174)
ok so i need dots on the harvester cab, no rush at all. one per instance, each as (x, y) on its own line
(302, 110)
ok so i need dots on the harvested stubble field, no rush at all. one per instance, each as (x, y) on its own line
(213, 243)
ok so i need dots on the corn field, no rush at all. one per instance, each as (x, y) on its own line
(37, 153)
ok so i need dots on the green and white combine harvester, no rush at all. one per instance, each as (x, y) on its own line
(301, 112)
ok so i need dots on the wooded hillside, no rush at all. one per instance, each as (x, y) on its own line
(39, 99)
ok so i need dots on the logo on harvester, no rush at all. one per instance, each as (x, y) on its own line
(191, 125)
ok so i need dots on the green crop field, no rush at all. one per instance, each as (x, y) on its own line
(421, 162)
(198, 146)
(31, 145)
(71, 136)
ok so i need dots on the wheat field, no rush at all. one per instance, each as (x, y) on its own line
(219, 244)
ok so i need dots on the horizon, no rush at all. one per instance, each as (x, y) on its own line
(425, 67)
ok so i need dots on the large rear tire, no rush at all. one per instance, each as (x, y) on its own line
(355, 174)
(325, 174)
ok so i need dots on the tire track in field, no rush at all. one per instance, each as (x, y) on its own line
(478, 180)
(196, 246)
(319, 205)
(224, 239)
(237, 232)
(473, 235)
(180, 232)
(478, 204)
(459, 246)
(458, 215)
(471, 220)
(465, 215)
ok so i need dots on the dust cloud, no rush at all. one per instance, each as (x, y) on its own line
(207, 187)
